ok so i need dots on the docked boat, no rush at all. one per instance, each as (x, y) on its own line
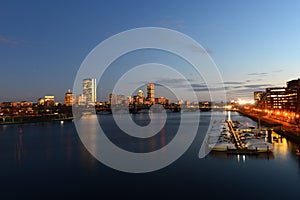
(227, 136)
(219, 137)
(259, 145)
(222, 146)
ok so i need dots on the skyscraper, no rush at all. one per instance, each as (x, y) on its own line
(89, 90)
(150, 92)
(69, 98)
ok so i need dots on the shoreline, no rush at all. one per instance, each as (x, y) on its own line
(33, 119)
(289, 131)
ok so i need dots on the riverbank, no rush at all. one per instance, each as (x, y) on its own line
(6, 120)
(289, 131)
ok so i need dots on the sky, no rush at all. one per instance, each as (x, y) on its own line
(254, 44)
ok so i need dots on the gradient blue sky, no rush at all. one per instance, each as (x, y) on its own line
(255, 44)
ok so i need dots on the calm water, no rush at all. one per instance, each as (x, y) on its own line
(48, 160)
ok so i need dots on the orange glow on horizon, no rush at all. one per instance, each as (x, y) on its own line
(243, 102)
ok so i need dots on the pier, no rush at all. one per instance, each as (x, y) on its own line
(240, 146)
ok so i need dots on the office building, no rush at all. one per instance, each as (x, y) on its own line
(281, 102)
(150, 93)
(81, 100)
(49, 100)
(293, 88)
(69, 98)
(89, 90)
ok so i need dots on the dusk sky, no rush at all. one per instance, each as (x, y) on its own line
(255, 44)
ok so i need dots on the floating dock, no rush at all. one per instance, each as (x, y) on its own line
(240, 146)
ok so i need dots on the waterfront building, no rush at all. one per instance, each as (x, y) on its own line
(89, 90)
(293, 87)
(112, 99)
(129, 100)
(81, 100)
(187, 102)
(150, 93)
(138, 99)
(276, 98)
(41, 101)
(16, 104)
(162, 101)
(115, 99)
(179, 102)
(49, 100)
(120, 99)
(16, 108)
(280, 102)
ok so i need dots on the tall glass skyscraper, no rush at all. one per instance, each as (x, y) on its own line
(89, 90)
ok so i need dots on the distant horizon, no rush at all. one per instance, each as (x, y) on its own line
(61, 99)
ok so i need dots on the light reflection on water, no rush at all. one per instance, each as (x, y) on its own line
(53, 152)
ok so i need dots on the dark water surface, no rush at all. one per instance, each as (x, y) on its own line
(48, 160)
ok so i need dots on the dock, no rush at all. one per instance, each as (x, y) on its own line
(240, 147)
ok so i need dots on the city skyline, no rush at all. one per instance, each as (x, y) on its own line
(88, 89)
(254, 44)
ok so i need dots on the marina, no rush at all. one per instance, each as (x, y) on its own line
(234, 137)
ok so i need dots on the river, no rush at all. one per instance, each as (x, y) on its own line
(48, 159)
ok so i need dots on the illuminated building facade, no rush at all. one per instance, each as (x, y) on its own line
(41, 101)
(81, 100)
(276, 98)
(49, 100)
(293, 87)
(89, 90)
(281, 102)
(150, 93)
(69, 98)
(162, 101)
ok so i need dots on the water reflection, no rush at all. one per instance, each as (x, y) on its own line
(19, 145)
(240, 158)
(56, 153)
(3, 128)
